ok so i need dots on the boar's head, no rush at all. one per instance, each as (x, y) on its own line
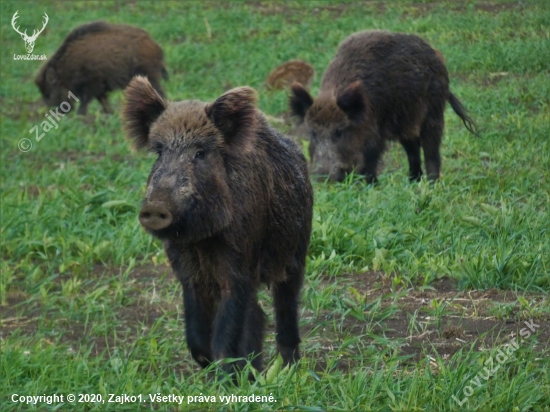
(339, 126)
(53, 92)
(188, 194)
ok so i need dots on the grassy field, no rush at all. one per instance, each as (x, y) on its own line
(410, 289)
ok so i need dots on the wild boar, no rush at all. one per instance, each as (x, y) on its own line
(97, 58)
(289, 72)
(231, 200)
(380, 86)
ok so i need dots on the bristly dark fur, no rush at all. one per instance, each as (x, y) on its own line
(405, 86)
(76, 34)
(97, 58)
(232, 202)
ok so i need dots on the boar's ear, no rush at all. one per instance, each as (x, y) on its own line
(299, 101)
(353, 101)
(143, 106)
(234, 114)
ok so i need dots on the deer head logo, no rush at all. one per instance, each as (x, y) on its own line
(29, 40)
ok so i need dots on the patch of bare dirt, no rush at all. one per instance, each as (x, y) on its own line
(417, 329)
(411, 325)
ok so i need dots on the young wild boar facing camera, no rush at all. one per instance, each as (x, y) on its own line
(380, 86)
(97, 58)
(231, 200)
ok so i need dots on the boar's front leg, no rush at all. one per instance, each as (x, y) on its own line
(198, 302)
(229, 324)
(286, 296)
(198, 322)
(372, 154)
(253, 333)
(372, 157)
(84, 101)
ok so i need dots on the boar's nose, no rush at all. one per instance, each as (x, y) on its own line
(155, 216)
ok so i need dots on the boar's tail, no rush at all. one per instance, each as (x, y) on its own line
(461, 111)
(165, 75)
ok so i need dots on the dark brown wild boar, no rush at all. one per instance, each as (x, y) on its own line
(380, 86)
(97, 58)
(231, 200)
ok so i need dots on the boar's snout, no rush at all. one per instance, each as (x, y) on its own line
(337, 174)
(155, 216)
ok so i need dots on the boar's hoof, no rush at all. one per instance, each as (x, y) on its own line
(155, 216)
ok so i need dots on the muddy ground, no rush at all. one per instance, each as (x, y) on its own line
(406, 320)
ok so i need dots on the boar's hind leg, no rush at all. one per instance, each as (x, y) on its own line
(412, 148)
(286, 297)
(430, 137)
(198, 324)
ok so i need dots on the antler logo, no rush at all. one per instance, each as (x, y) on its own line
(29, 40)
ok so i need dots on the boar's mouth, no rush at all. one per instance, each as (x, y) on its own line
(164, 222)
(333, 174)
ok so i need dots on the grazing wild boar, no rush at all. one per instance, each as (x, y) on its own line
(289, 72)
(380, 86)
(97, 58)
(232, 202)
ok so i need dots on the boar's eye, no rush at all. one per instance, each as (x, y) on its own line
(337, 134)
(313, 136)
(199, 154)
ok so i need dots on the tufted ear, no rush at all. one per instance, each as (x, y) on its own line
(234, 114)
(299, 101)
(353, 102)
(142, 108)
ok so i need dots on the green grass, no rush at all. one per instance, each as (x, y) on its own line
(83, 311)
